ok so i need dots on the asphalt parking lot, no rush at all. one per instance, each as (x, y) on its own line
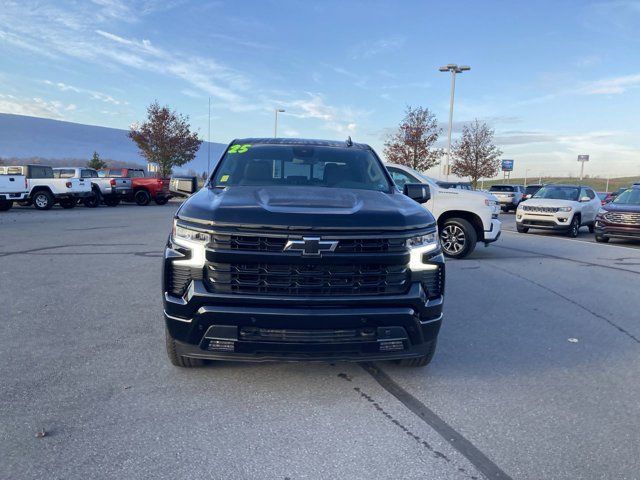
(536, 374)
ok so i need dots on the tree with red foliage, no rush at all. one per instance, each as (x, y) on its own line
(412, 144)
(165, 139)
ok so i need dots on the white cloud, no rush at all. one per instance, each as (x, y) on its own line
(34, 106)
(103, 97)
(614, 85)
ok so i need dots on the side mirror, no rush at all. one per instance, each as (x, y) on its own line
(584, 199)
(417, 191)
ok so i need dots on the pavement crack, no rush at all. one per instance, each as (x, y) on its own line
(55, 247)
(573, 302)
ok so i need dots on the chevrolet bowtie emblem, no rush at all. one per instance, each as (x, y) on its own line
(311, 246)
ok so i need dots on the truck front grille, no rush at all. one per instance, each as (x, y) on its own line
(532, 209)
(622, 218)
(276, 244)
(307, 336)
(307, 279)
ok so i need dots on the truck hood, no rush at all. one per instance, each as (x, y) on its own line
(304, 208)
(548, 202)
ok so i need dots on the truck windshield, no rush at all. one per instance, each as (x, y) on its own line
(300, 165)
(559, 193)
(628, 197)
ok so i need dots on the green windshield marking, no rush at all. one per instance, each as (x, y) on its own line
(239, 148)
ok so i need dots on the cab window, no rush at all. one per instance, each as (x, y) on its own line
(401, 178)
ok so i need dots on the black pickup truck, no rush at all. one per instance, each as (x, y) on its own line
(302, 250)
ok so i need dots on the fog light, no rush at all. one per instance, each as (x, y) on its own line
(221, 346)
(391, 345)
(562, 220)
(519, 217)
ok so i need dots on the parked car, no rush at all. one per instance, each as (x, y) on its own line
(13, 188)
(145, 188)
(45, 190)
(621, 217)
(458, 185)
(103, 189)
(531, 190)
(464, 217)
(314, 255)
(559, 207)
(613, 195)
(509, 196)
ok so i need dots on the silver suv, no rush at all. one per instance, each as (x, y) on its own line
(509, 196)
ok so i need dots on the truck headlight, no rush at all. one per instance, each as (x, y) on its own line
(189, 234)
(602, 211)
(565, 209)
(419, 246)
(490, 203)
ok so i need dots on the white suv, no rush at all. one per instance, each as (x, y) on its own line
(559, 207)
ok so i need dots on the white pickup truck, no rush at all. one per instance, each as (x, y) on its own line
(464, 217)
(44, 190)
(13, 188)
(109, 190)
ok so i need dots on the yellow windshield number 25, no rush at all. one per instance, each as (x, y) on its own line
(239, 148)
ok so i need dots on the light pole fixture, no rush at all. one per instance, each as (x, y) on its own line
(275, 126)
(526, 172)
(453, 68)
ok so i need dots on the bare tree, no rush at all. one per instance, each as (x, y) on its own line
(165, 138)
(412, 144)
(475, 155)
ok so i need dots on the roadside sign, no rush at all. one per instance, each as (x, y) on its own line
(507, 165)
(583, 158)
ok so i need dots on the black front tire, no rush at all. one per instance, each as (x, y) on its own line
(142, 198)
(42, 200)
(423, 360)
(574, 229)
(592, 227)
(176, 359)
(92, 201)
(5, 205)
(522, 229)
(458, 238)
(601, 239)
(161, 200)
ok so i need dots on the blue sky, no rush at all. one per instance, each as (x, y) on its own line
(554, 79)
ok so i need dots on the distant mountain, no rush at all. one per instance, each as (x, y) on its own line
(58, 142)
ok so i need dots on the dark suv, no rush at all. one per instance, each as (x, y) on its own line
(302, 250)
(621, 217)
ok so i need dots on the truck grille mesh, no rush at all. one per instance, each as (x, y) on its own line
(276, 244)
(433, 282)
(307, 279)
(179, 277)
(530, 208)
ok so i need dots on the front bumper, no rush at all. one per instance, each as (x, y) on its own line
(224, 326)
(560, 221)
(494, 231)
(610, 230)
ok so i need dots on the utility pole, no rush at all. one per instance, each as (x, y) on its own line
(453, 69)
(209, 142)
(275, 126)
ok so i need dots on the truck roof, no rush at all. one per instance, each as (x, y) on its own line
(300, 141)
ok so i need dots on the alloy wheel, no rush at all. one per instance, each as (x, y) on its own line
(453, 239)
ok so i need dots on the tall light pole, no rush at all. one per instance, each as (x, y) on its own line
(453, 68)
(526, 172)
(275, 126)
